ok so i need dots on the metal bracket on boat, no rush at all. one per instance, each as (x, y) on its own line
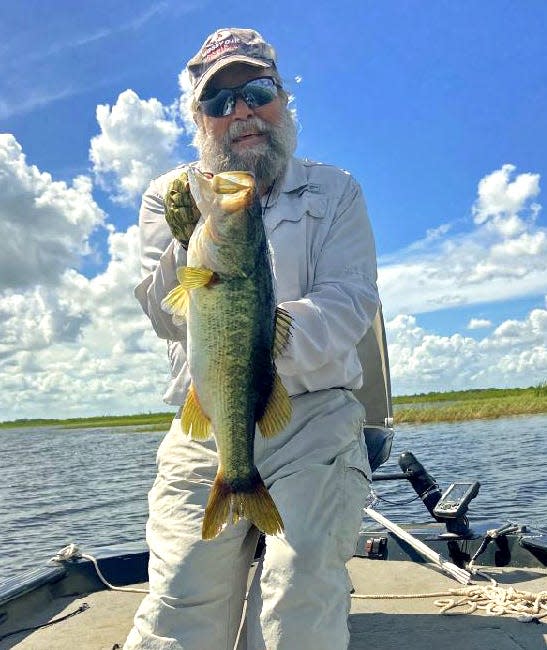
(375, 548)
(508, 528)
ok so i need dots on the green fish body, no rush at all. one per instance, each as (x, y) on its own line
(227, 295)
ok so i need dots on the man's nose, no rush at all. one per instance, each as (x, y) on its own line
(241, 110)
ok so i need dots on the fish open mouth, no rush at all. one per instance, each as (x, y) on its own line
(235, 190)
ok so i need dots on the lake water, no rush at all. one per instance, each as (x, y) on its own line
(89, 486)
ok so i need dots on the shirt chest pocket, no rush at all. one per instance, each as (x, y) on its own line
(295, 230)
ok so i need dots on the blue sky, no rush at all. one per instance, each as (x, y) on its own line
(437, 108)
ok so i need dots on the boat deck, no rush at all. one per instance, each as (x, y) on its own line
(383, 624)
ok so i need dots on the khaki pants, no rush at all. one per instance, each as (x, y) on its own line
(317, 472)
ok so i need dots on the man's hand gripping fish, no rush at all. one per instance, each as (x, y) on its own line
(227, 297)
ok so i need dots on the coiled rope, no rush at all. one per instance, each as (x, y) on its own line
(492, 599)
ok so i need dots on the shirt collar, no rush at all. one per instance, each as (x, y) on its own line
(295, 177)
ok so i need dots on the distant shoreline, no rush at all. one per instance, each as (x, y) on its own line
(460, 406)
(475, 404)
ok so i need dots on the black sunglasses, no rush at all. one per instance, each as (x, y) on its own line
(222, 101)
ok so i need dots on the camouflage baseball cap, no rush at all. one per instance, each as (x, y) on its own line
(225, 46)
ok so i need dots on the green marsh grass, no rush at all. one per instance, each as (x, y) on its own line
(461, 405)
(144, 422)
(471, 405)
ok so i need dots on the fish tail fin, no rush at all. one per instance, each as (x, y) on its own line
(260, 509)
(228, 505)
(277, 413)
(217, 511)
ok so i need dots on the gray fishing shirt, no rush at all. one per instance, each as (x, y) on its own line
(324, 264)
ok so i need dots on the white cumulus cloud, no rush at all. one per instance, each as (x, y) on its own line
(84, 347)
(502, 256)
(500, 199)
(137, 142)
(185, 101)
(478, 323)
(514, 354)
(44, 224)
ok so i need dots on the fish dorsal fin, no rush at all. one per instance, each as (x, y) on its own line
(193, 419)
(283, 326)
(278, 411)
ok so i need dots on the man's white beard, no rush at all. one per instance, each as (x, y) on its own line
(267, 160)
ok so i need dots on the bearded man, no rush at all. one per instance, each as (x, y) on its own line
(316, 469)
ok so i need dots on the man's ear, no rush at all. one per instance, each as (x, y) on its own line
(284, 96)
(197, 117)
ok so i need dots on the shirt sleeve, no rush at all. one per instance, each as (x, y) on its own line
(161, 255)
(333, 317)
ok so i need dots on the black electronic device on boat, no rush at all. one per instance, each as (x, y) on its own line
(424, 484)
(455, 501)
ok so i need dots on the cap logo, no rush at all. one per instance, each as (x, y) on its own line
(218, 43)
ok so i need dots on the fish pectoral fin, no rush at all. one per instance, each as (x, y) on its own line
(193, 419)
(278, 411)
(283, 326)
(176, 303)
(193, 277)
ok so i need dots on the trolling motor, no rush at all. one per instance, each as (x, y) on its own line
(423, 483)
(449, 507)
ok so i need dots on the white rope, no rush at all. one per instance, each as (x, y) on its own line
(72, 552)
(493, 599)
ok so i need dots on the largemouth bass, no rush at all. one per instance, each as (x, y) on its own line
(226, 295)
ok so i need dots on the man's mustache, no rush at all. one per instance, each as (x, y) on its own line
(248, 127)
